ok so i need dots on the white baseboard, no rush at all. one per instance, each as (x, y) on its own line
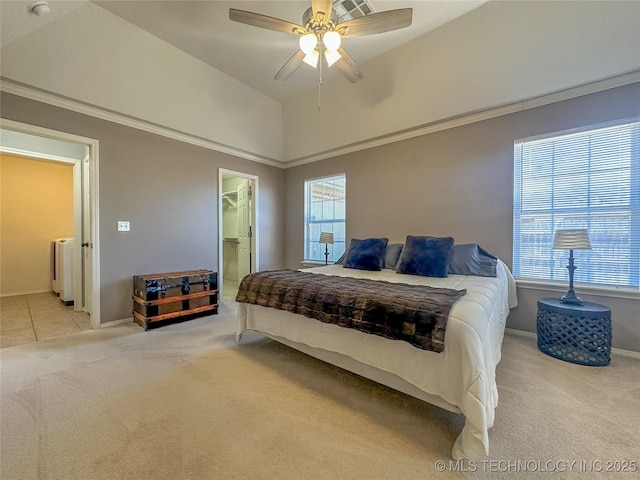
(614, 351)
(115, 323)
(26, 292)
(625, 353)
(520, 333)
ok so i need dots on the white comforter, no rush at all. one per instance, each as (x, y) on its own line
(462, 378)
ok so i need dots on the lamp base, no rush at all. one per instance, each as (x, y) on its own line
(571, 298)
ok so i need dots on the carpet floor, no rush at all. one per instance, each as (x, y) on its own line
(185, 401)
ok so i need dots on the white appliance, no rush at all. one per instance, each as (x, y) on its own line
(62, 271)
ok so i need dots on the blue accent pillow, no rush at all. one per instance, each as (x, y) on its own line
(367, 254)
(426, 256)
(472, 259)
(391, 255)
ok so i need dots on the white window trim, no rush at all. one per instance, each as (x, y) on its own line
(583, 288)
(588, 289)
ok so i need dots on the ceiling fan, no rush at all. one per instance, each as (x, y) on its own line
(321, 34)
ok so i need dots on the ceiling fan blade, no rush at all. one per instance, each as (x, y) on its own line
(376, 23)
(323, 7)
(291, 66)
(348, 67)
(264, 21)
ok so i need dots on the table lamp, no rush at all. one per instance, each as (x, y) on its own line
(327, 239)
(576, 239)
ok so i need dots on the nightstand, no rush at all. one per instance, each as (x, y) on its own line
(575, 333)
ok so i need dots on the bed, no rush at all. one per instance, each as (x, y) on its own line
(460, 379)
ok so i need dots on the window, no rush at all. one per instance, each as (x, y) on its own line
(580, 179)
(324, 211)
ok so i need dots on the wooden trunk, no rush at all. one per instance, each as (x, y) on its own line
(176, 295)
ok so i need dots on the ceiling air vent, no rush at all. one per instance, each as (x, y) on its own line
(348, 9)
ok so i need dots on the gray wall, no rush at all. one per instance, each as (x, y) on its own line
(168, 190)
(459, 182)
(456, 182)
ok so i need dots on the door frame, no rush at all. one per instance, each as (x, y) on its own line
(89, 203)
(223, 172)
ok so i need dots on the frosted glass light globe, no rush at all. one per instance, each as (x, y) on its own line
(308, 42)
(332, 41)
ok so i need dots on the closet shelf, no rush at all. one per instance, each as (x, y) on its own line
(231, 197)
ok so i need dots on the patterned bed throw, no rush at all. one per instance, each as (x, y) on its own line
(414, 313)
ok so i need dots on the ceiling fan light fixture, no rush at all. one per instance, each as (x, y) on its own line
(323, 32)
(331, 40)
(331, 56)
(312, 58)
(308, 43)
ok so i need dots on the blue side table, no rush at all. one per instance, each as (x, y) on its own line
(575, 333)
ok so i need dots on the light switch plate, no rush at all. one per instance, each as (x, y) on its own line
(124, 226)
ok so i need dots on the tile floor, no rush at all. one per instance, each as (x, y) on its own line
(230, 288)
(29, 318)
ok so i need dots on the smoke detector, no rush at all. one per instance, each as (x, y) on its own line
(39, 7)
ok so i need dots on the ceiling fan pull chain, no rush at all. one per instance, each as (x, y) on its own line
(319, 81)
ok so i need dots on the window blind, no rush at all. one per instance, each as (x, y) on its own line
(582, 179)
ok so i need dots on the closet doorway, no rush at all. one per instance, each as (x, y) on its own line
(238, 233)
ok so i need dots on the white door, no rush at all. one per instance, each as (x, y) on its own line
(244, 231)
(245, 258)
(82, 233)
(87, 241)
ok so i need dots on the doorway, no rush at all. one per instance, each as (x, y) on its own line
(40, 143)
(237, 226)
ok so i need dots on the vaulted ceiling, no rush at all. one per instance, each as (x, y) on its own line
(254, 55)
(184, 65)
(249, 54)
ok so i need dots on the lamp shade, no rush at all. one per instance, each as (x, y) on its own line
(308, 43)
(576, 239)
(326, 237)
(311, 59)
(332, 57)
(331, 40)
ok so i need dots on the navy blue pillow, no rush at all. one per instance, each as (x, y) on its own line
(427, 256)
(367, 254)
(391, 255)
(472, 259)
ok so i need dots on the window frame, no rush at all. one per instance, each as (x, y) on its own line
(619, 291)
(311, 240)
